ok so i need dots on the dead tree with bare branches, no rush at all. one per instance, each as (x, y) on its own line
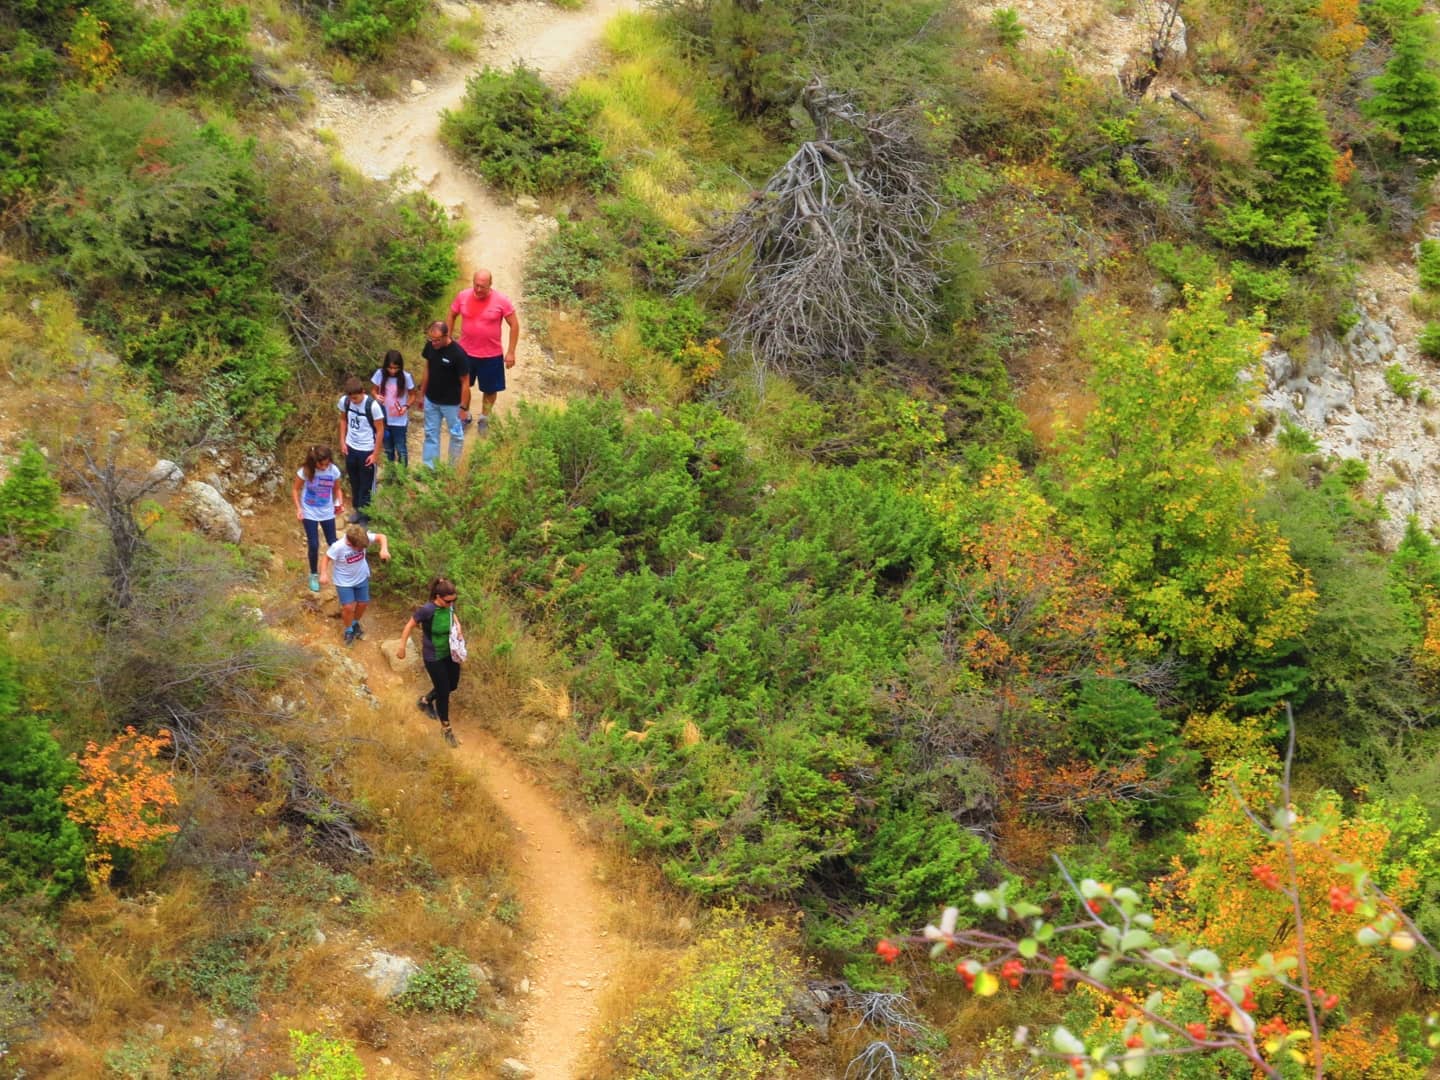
(836, 250)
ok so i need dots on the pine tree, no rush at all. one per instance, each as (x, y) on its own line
(41, 849)
(1293, 148)
(30, 500)
(1406, 102)
(1298, 188)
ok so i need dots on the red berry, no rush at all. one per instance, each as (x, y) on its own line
(888, 951)
(1095, 906)
(1196, 1031)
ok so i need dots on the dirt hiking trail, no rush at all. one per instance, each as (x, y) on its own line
(564, 905)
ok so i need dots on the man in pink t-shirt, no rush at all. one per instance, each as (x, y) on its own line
(476, 316)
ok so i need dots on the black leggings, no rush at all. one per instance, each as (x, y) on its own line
(445, 676)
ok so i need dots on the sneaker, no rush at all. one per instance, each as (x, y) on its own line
(359, 517)
(449, 734)
(349, 635)
(427, 707)
(359, 631)
(314, 582)
(482, 424)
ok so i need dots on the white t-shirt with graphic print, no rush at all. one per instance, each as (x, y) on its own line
(350, 567)
(360, 421)
(317, 497)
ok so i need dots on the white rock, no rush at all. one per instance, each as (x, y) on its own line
(514, 1069)
(417, 87)
(390, 974)
(165, 475)
(208, 509)
(527, 204)
(412, 661)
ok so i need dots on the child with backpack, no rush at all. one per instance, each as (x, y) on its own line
(362, 425)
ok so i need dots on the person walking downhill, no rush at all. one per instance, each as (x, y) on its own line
(362, 426)
(444, 392)
(345, 563)
(392, 385)
(477, 313)
(437, 620)
(318, 501)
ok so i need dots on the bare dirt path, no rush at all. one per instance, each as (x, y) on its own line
(564, 904)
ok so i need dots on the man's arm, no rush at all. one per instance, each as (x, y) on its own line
(513, 322)
(344, 431)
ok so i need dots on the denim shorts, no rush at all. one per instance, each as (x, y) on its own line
(354, 594)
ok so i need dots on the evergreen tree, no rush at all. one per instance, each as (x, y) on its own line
(41, 849)
(30, 500)
(1406, 102)
(1298, 188)
(1293, 148)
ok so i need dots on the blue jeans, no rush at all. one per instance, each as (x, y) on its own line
(312, 538)
(395, 446)
(433, 415)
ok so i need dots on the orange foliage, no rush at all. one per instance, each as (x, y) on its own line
(122, 798)
(1226, 900)
(1344, 33)
(1427, 655)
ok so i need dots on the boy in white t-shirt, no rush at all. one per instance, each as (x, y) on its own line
(345, 564)
(362, 425)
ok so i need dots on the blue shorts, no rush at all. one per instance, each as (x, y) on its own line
(354, 594)
(487, 373)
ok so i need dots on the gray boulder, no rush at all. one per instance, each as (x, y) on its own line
(208, 509)
(390, 974)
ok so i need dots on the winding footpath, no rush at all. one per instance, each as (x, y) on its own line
(564, 904)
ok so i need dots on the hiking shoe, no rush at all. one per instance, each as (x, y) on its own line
(349, 635)
(449, 734)
(426, 706)
(314, 582)
(359, 631)
(482, 424)
(359, 518)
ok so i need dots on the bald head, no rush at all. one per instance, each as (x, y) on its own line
(482, 282)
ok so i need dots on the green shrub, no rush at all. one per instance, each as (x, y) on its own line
(443, 984)
(1005, 23)
(30, 501)
(206, 48)
(1429, 340)
(568, 268)
(321, 1058)
(1427, 264)
(520, 135)
(919, 857)
(1190, 265)
(1401, 383)
(1406, 98)
(726, 1017)
(41, 850)
(29, 126)
(1295, 439)
(157, 222)
(667, 326)
(370, 28)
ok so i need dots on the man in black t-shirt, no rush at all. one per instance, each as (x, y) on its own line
(444, 392)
